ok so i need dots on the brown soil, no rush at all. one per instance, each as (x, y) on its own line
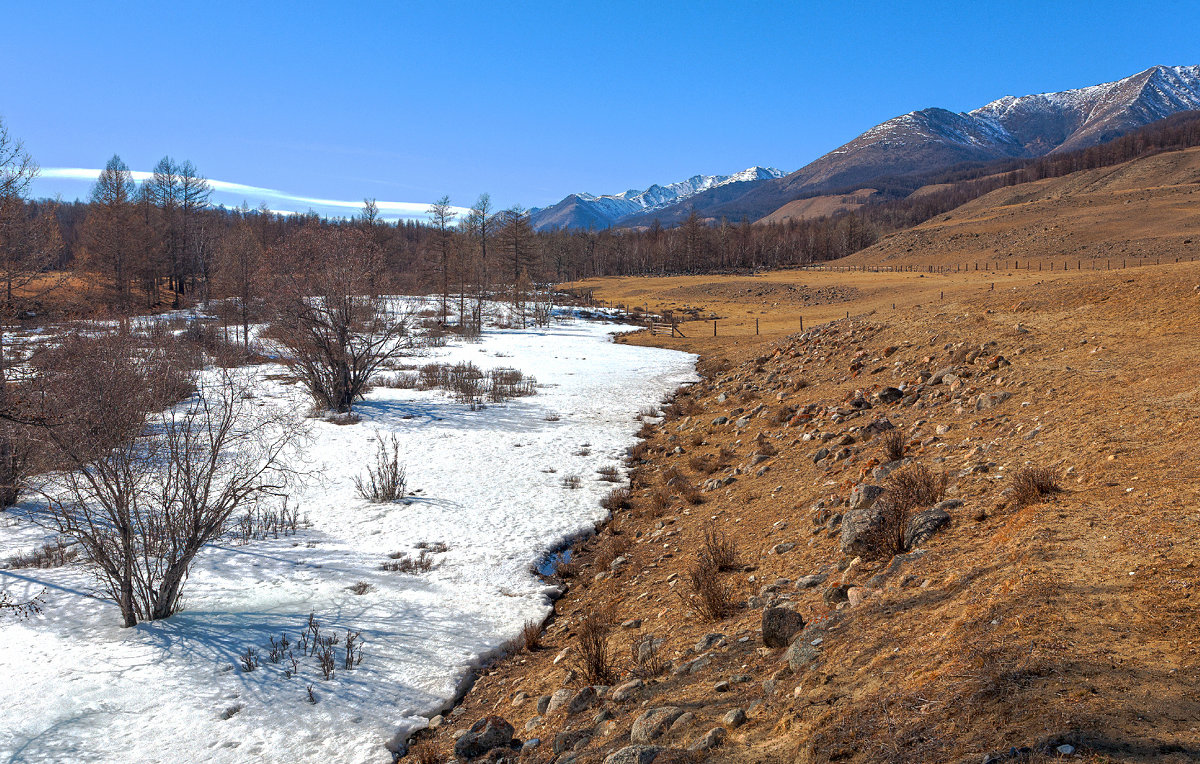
(819, 206)
(1146, 210)
(1065, 621)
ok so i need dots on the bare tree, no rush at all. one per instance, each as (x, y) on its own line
(441, 218)
(29, 245)
(239, 270)
(517, 239)
(337, 329)
(370, 212)
(480, 220)
(145, 494)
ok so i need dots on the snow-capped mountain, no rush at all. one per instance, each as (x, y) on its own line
(1026, 126)
(914, 144)
(585, 210)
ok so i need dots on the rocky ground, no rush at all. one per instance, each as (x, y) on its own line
(1037, 605)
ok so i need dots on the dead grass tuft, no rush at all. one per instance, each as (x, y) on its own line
(1031, 484)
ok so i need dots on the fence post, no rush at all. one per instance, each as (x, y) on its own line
(801, 323)
(714, 327)
(756, 326)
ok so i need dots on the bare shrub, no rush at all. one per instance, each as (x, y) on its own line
(434, 547)
(466, 382)
(635, 454)
(691, 493)
(506, 383)
(648, 662)
(905, 491)
(424, 753)
(249, 659)
(719, 549)
(402, 562)
(335, 328)
(710, 598)
(696, 439)
(594, 660)
(385, 481)
(144, 491)
(359, 587)
(892, 444)
(617, 499)
(658, 501)
(648, 412)
(530, 638)
(725, 456)
(571, 482)
(1031, 484)
(52, 554)
(609, 474)
(353, 649)
(704, 464)
(265, 521)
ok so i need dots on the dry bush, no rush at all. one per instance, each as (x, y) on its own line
(609, 474)
(594, 660)
(648, 662)
(767, 448)
(646, 431)
(531, 636)
(617, 499)
(52, 554)
(424, 753)
(711, 598)
(892, 444)
(657, 502)
(648, 412)
(566, 568)
(386, 480)
(691, 493)
(1030, 484)
(696, 439)
(610, 548)
(905, 491)
(359, 587)
(916, 486)
(782, 415)
(571, 482)
(703, 463)
(726, 456)
(719, 549)
(436, 547)
(401, 562)
(635, 454)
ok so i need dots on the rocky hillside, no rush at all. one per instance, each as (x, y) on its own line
(944, 534)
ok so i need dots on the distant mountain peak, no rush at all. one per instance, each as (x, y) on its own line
(583, 210)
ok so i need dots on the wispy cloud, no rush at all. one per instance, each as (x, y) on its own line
(388, 209)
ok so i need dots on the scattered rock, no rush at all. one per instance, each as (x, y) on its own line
(559, 699)
(634, 754)
(708, 641)
(626, 690)
(711, 739)
(653, 723)
(864, 495)
(568, 741)
(583, 700)
(783, 548)
(779, 625)
(858, 526)
(924, 524)
(734, 719)
(991, 400)
(487, 733)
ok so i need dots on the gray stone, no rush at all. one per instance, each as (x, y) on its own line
(858, 526)
(924, 524)
(559, 699)
(864, 495)
(634, 754)
(779, 625)
(711, 739)
(487, 733)
(583, 700)
(820, 454)
(801, 653)
(627, 690)
(734, 719)
(708, 641)
(683, 722)
(543, 704)
(811, 581)
(889, 395)
(653, 723)
(783, 548)
(991, 400)
(567, 741)
(531, 743)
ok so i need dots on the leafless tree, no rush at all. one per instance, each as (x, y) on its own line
(239, 270)
(480, 222)
(109, 227)
(145, 493)
(338, 331)
(441, 218)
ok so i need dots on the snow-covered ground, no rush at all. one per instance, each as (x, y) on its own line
(76, 686)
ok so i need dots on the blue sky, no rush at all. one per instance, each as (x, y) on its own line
(529, 101)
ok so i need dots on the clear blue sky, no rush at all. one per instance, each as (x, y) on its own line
(529, 101)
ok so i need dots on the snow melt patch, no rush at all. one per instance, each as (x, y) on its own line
(78, 687)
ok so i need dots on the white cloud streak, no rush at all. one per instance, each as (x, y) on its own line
(409, 210)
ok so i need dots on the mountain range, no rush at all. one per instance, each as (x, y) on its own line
(916, 143)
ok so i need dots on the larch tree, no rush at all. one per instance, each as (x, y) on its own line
(441, 219)
(109, 226)
(480, 219)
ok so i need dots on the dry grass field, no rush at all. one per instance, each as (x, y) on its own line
(1025, 623)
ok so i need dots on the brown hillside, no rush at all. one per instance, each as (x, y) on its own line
(1058, 620)
(819, 206)
(1146, 209)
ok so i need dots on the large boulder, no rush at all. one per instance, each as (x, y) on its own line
(991, 400)
(858, 527)
(802, 653)
(779, 625)
(487, 733)
(653, 723)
